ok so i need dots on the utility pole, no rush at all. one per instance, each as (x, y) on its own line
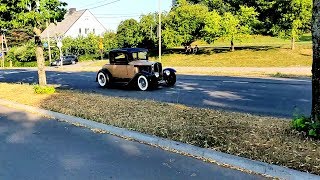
(4, 48)
(160, 44)
(59, 45)
(48, 39)
(2, 51)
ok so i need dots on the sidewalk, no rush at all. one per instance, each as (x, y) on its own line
(33, 147)
(224, 159)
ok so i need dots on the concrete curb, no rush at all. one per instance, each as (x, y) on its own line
(218, 157)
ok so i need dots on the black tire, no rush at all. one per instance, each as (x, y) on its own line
(103, 79)
(142, 83)
(171, 79)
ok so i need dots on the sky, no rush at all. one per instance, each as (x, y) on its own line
(112, 14)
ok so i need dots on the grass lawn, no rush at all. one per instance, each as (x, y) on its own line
(279, 56)
(257, 51)
(265, 139)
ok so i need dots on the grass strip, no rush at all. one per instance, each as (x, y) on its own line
(264, 139)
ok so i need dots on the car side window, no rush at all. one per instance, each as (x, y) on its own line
(120, 59)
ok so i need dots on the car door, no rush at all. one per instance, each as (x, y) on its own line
(119, 67)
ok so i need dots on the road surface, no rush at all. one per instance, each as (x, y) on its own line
(271, 97)
(33, 147)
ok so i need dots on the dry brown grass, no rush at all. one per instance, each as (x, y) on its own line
(22, 93)
(265, 139)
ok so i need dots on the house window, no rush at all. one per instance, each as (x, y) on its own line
(79, 30)
(86, 30)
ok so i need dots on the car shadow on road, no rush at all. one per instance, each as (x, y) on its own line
(270, 97)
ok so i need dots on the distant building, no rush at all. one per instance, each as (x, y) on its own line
(75, 24)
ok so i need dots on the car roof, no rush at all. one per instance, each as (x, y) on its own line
(130, 50)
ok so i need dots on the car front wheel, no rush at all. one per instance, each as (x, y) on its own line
(171, 80)
(143, 83)
(103, 79)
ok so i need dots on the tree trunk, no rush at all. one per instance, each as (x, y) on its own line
(232, 46)
(293, 42)
(40, 60)
(315, 111)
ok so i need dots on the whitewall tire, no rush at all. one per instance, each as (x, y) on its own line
(143, 83)
(103, 79)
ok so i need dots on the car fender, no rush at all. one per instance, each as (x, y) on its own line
(105, 71)
(168, 69)
(148, 75)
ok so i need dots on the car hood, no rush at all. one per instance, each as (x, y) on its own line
(142, 63)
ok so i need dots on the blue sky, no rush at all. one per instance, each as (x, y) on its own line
(111, 15)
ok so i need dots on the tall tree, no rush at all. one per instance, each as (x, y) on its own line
(24, 14)
(148, 28)
(184, 23)
(316, 61)
(212, 29)
(295, 19)
(129, 34)
(236, 27)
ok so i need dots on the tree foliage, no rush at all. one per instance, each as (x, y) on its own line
(129, 34)
(184, 24)
(18, 14)
(148, 27)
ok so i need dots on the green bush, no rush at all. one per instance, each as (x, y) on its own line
(24, 53)
(44, 89)
(305, 124)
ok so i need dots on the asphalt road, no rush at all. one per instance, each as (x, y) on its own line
(274, 97)
(33, 147)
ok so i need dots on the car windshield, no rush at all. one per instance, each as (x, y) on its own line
(143, 55)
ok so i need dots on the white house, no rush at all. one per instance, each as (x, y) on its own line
(75, 23)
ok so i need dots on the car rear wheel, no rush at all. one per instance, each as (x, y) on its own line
(103, 79)
(143, 83)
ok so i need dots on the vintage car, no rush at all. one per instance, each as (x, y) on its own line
(130, 66)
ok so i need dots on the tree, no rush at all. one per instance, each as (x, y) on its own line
(236, 27)
(110, 41)
(129, 34)
(184, 23)
(148, 28)
(295, 19)
(212, 29)
(24, 14)
(221, 6)
(316, 62)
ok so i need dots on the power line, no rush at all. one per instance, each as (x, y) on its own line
(92, 4)
(105, 4)
(106, 17)
(118, 14)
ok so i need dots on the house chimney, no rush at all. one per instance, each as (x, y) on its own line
(72, 10)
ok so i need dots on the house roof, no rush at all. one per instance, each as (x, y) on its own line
(62, 27)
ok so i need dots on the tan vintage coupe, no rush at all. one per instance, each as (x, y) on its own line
(130, 66)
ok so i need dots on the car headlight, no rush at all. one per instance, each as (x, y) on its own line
(156, 74)
(167, 72)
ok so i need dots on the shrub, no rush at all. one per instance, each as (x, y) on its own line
(24, 53)
(306, 125)
(44, 89)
